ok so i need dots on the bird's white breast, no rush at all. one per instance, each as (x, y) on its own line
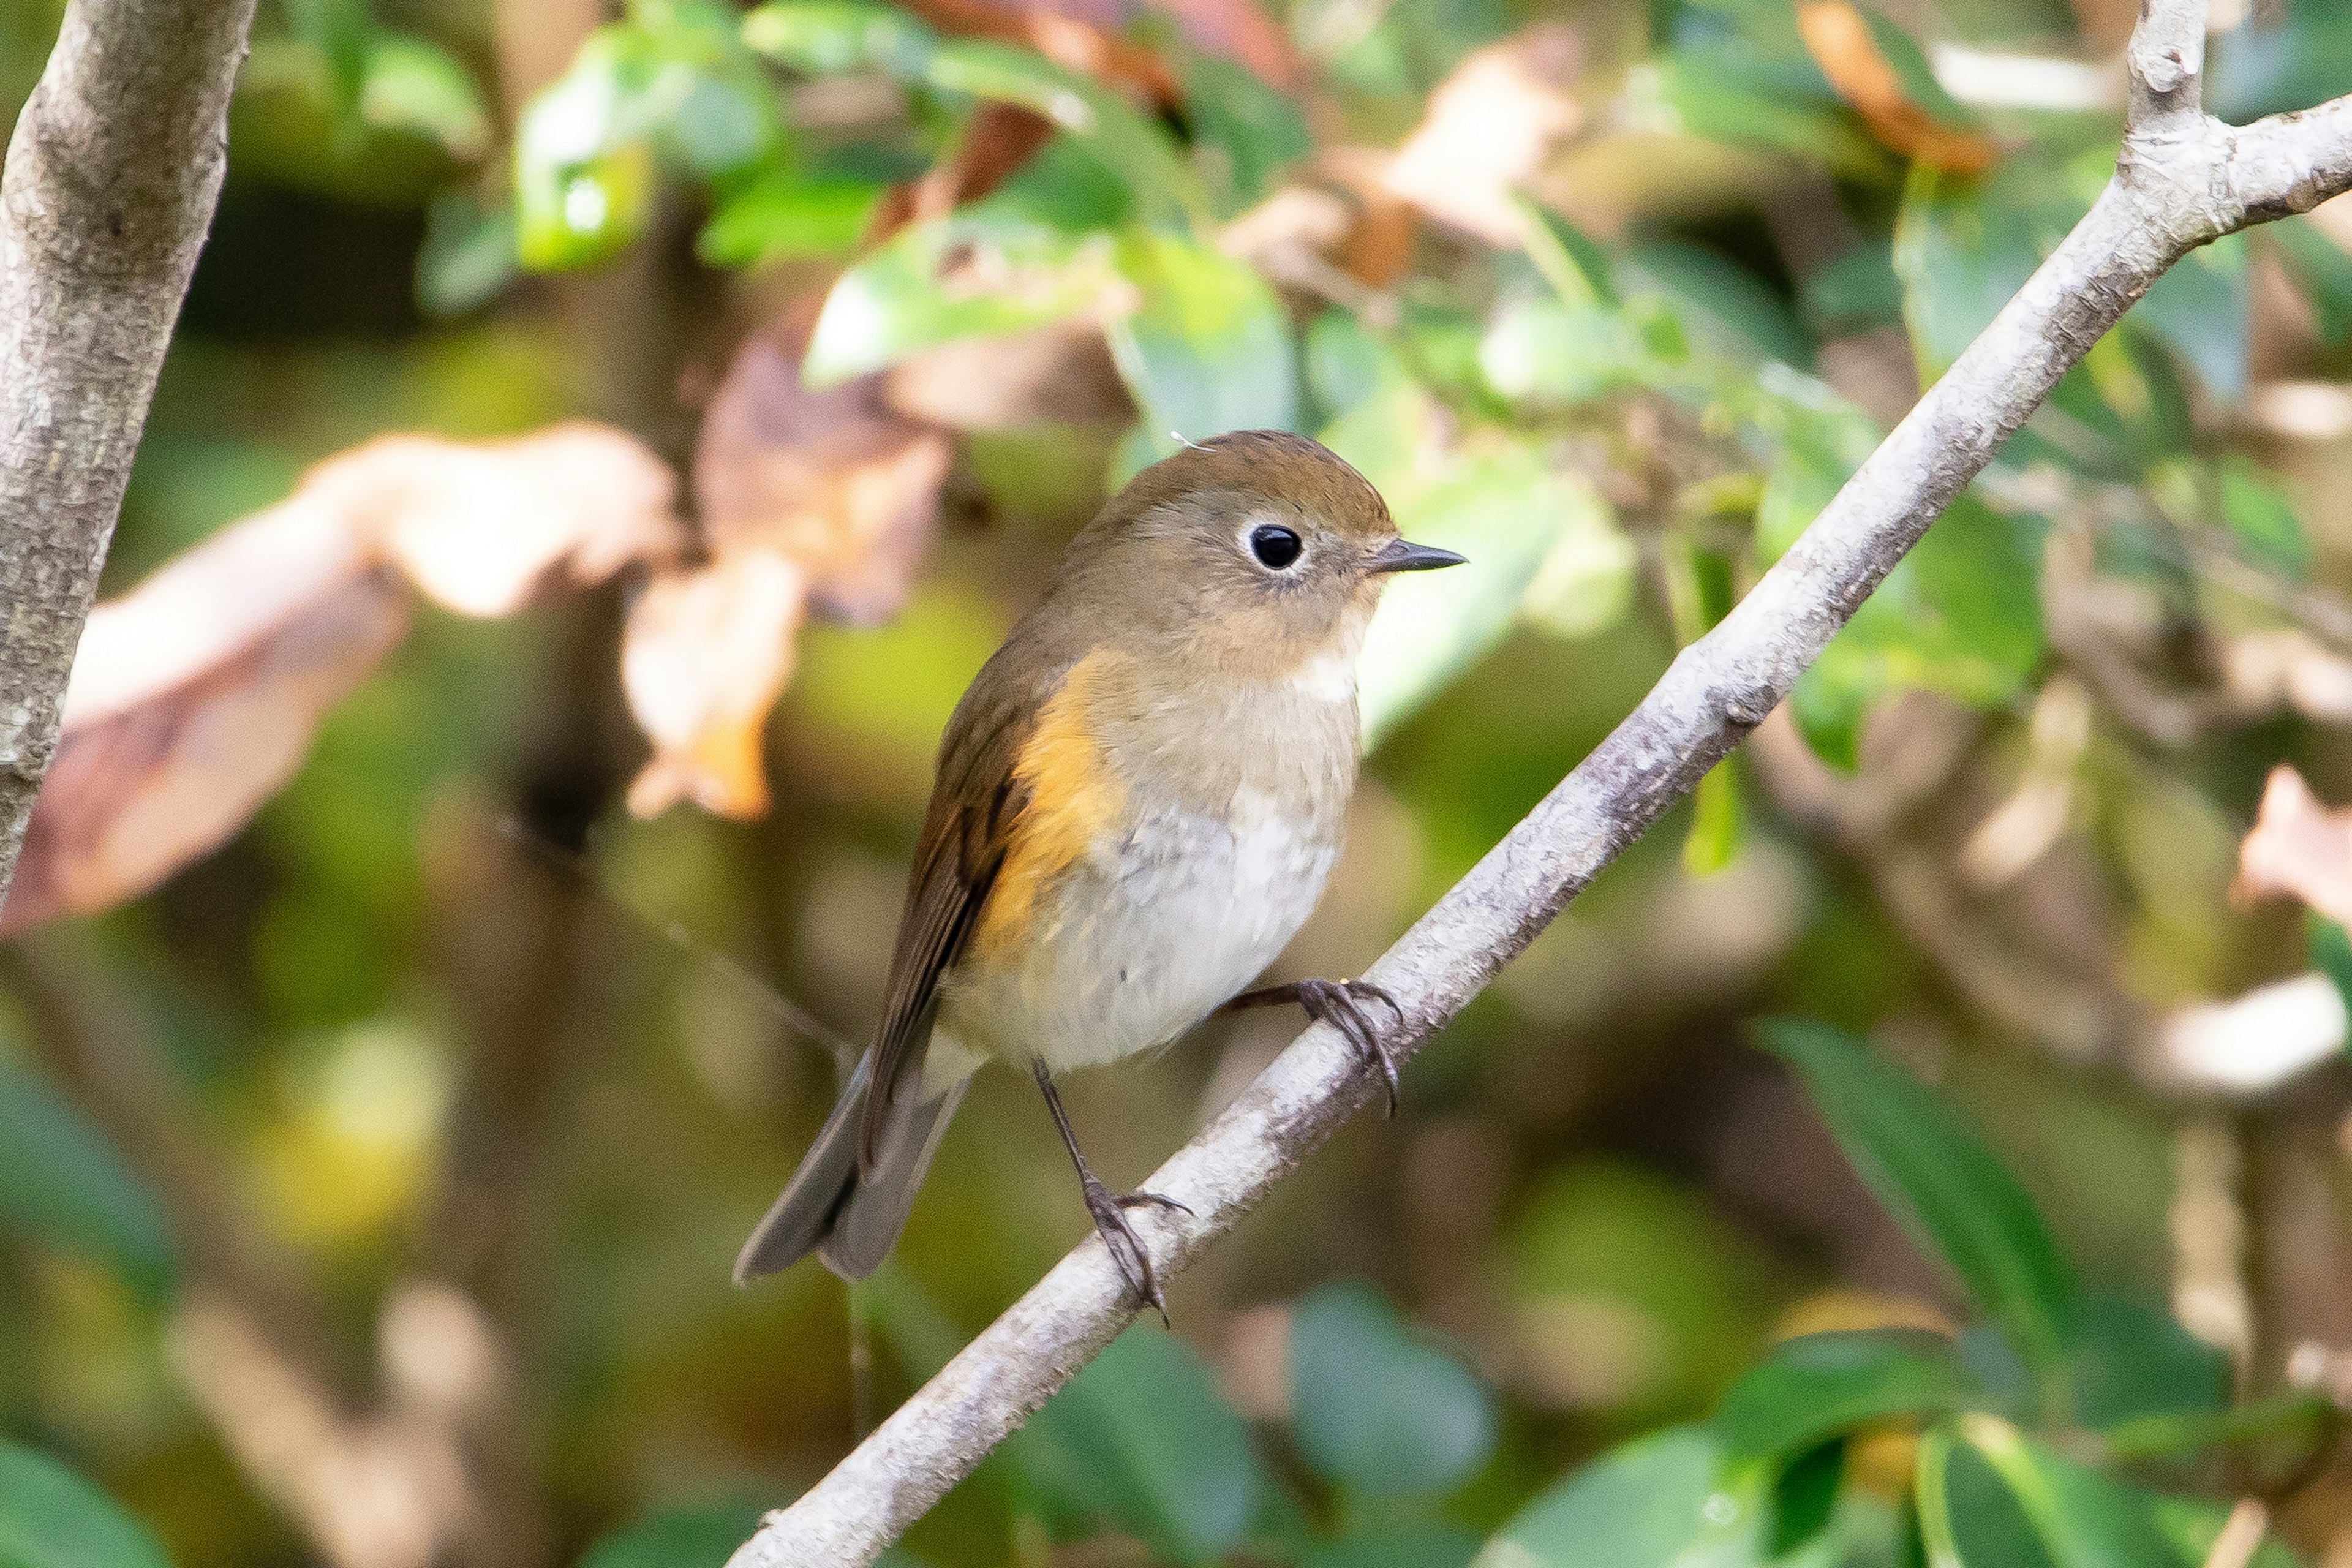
(1163, 925)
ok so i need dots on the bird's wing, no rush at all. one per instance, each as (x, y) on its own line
(1024, 793)
(976, 800)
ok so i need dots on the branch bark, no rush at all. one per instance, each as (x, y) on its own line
(111, 177)
(2183, 179)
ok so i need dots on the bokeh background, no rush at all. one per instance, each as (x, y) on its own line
(438, 949)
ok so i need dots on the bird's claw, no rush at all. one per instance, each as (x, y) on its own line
(1127, 1249)
(1341, 1004)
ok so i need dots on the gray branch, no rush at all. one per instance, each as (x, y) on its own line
(111, 178)
(2183, 179)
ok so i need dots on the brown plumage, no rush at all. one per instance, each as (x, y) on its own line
(1136, 803)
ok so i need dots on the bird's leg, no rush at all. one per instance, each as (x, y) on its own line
(1341, 1004)
(1109, 1209)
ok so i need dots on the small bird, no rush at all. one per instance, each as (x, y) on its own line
(1138, 803)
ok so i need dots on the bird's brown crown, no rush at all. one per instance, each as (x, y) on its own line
(1249, 464)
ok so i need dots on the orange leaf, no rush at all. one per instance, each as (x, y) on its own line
(2298, 847)
(705, 656)
(1839, 39)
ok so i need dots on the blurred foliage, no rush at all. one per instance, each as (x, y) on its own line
(437, 1101)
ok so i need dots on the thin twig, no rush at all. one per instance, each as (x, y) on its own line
(2183, 179)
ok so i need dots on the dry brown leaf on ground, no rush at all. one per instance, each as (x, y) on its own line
(481, 529)
(705, 656)
(836, 480)
(2299, 847)
(194, 699)
(1838, 38)
(1492, 124)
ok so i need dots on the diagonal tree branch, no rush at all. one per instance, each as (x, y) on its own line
(112, 174)
(2183, 179)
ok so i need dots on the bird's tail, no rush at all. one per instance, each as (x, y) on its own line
(852, 1219)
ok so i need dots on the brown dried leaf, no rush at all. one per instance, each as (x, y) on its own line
(835, 481)
(481, 529)
(194, 696)
(1059, 374)
(1340, 223)
(705, 656)
(997, 140)
(1839, 39)
(1491, 125)
(2299, 847)
(194, 699)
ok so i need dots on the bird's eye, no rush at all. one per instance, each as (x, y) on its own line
(1275, 547)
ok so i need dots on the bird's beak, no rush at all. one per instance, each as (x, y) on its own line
(1403, 555)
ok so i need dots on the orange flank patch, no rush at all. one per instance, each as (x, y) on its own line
(1074, 797)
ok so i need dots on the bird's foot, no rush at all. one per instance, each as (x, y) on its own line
(1341, 1004)
(1126, 1250)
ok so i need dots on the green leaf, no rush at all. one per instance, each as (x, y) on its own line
(2324, 271)
(1965, 244)
(1820, 1386)
(582, 172)
(1858, 289)
(1570, 260)
(51, 1518)
(1209, 350)
(830, 38)
(1141, 1440)
(2200, 309)
(60, 1181)
(787, 214)
(2258, 513)
(468, 253)
(1426, 1543)
(1098, 120)
(1546, 352)
(1248, 132)
(1968, 1518)
(1718, 826)
(2331, 952)
(2085, 1519)
(676, 81)
(2131, 1360)
(1658, 1502)
(1704, 285)
(1959, 615)
(893, 303)
(410, 85)
(1710, 95)
(701, 1537)
(1506, 511)
(339, 32)
(1377, 1409)
(2294, 1423)
(1942, 1185)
